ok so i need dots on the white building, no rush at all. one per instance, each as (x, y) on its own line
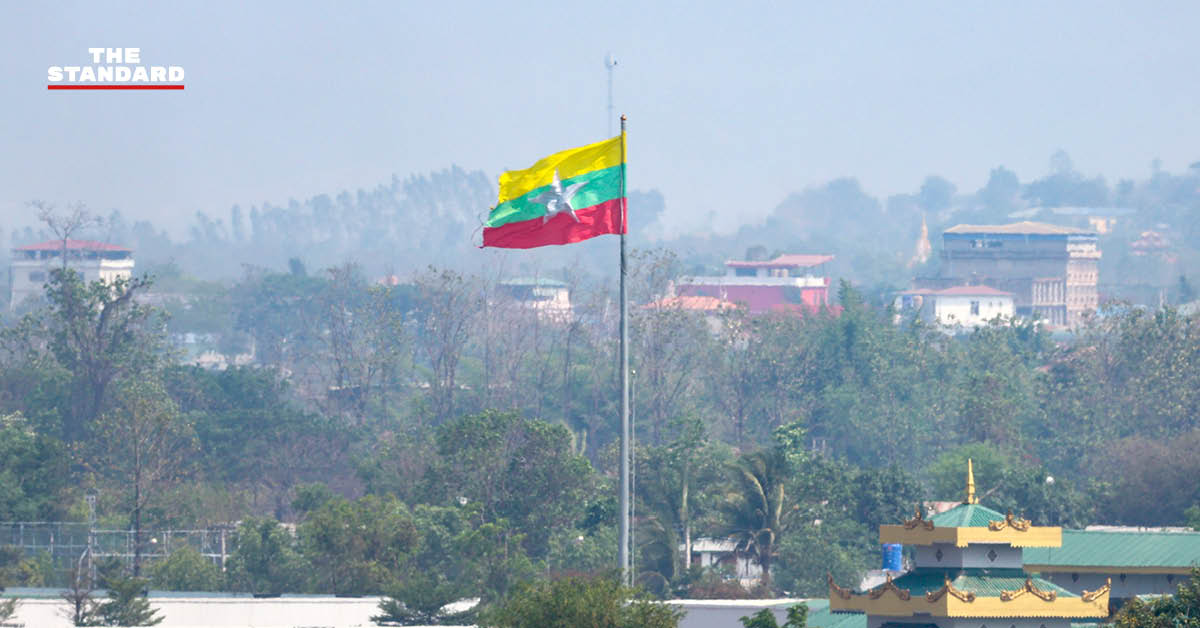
(31, 265)
(551, 299)
(715, 553)
(961, 306)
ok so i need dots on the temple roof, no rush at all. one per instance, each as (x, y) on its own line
(966, 516)
(981, 582)
(969, 523)
(1094, 550)
(970, 593)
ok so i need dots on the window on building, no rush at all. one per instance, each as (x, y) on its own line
(37, 275)
(744, 272)
(974, 308)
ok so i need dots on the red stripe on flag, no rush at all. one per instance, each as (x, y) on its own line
(596, 220)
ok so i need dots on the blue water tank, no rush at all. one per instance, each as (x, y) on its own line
(893, 554)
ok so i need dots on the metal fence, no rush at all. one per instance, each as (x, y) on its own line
(62, 546)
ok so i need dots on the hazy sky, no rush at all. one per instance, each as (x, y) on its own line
(731, 105)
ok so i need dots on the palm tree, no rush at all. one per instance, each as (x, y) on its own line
(756, 513)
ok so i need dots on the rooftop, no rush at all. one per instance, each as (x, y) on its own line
(694, 304)
(962, 291)
(1176, 552)
(982, 582)
(540, 282)
(783, 261)
(966, 516)
(1018, 228)
(72, 245)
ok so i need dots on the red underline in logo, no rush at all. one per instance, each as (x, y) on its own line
(114, 87)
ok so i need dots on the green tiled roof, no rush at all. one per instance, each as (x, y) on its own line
(1095, 548)
(819, 616)
(981, 582)
(966, 516)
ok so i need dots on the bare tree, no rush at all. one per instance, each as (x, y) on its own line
(145, 446)
(66, 223)
(448, 305)
(363, 338)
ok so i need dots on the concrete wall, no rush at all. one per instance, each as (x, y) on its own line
(1129, 586)
(973, 556)
(28, 276)
(330, 612)
(213, 612)
(956, 310)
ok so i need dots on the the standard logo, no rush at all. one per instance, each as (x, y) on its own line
(115, 68)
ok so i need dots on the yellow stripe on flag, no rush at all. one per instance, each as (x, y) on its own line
(569, 163)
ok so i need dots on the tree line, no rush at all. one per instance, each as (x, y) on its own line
(433, 438)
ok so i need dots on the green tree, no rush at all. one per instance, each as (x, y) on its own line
(126, 605)
(596, 602)
(418, 601)
(1193, 517)
(8, 608)
(266, 560)
(797, 617)
(34, 473)
(254, 435)
(100, 334)
(521, 471)
(758, 511)
(358, 547)
(186, 569)
(1181, 610)
(671, 495)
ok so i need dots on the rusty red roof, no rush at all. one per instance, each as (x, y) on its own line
(783, 261)
(72, 245)
(695, 303)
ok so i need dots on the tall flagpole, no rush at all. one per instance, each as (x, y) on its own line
(624, 528)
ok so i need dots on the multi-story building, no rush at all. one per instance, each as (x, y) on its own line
(1051, 271)
(31, 265)
(786, 283)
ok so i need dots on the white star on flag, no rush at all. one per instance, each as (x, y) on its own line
(558, 200)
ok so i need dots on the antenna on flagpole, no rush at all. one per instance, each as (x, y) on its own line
(610, 62)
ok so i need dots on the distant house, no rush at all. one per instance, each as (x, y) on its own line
(722, 553)
(961, 306)
(31, 265)
(551, 299)
(786, 283)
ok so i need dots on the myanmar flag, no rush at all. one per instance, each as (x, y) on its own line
(570, 196)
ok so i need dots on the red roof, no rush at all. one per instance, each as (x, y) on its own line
(783, 261)
(72, 245)
(702, 304)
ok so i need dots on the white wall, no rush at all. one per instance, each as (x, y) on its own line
(330, 612)
(224, 612)
(974, 555)
(956, 310)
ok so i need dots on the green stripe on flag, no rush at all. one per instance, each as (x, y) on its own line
(602, 185)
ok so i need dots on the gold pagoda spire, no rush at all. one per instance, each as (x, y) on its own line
(971, 499)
